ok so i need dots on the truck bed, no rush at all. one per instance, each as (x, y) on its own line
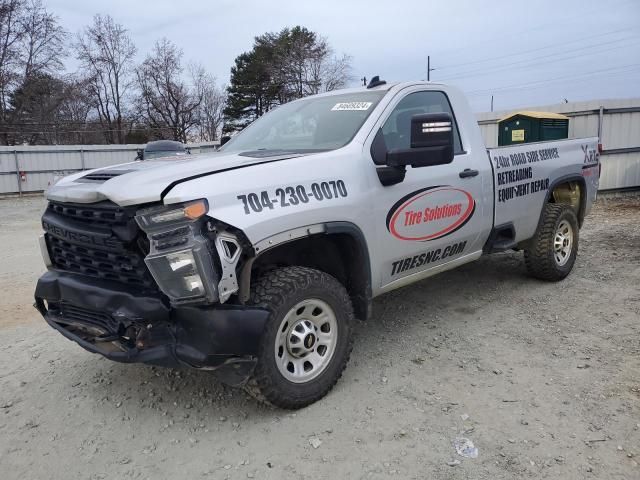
(523, 176)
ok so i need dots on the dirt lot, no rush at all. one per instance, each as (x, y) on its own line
(544, 378)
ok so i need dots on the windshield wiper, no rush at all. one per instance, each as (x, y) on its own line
(266, 152)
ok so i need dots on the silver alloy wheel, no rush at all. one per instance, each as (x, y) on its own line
(306, 340)
(563, 243)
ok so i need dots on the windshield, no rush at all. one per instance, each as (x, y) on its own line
(307, 125)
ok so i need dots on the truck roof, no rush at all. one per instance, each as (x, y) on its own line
(383, 87)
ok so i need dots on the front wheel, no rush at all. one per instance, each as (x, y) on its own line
(308, 337)
(553, 249)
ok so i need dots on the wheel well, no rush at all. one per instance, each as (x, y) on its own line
(570, 193)
(338, 254)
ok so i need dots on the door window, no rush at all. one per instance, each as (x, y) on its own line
(397, 128)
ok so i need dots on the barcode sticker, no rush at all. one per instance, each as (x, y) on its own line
(352, 106)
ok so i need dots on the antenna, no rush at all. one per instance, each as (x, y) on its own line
(376, 82)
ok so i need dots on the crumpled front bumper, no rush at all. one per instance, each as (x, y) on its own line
(128, 325)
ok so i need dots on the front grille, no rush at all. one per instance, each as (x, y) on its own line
(117, 256)
(121, 266)
(103, 213)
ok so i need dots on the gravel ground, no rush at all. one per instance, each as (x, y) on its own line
(543, 378)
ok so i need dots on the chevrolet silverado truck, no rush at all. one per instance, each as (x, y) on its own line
(255, 261)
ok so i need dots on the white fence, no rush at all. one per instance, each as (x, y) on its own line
(33, 168)
(615, 122)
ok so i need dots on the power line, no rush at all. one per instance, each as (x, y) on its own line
(65, 123)
(566, 55)
(609, 71)
(561, 23)
(63, 132)
(555, 45)
(534, 85)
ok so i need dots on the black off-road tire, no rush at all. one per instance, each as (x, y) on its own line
(279, 291)
(539, 257)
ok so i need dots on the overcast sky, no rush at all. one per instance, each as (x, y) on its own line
(525, 53)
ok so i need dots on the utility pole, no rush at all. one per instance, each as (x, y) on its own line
(429, 69)
(492, 103)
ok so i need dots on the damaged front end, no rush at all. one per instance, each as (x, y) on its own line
(144, 286)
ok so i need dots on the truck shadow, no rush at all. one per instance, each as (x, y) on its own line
(451, 297)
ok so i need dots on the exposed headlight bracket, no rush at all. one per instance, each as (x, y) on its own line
(229, 251)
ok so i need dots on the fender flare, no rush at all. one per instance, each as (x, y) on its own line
(583, 195)
(364, 297)
(364, 309)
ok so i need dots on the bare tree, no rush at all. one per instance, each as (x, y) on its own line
(75, 109)
(32, 45)
(335, 72)
(213, 100)
(43, 42)
(167, 101)
(106, 53)
(11, 33)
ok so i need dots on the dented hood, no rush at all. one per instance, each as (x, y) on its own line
(148, 181)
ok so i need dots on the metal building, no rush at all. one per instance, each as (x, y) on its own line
(532, 126)
(615, 122)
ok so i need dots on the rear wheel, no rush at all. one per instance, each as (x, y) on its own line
(308, 337)
(553, 250)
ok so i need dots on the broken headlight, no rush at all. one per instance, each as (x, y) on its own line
(179, 255)
(149, 218)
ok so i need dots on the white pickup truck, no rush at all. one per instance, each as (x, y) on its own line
(255, 260)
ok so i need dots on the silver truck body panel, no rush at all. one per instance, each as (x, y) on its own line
(145, 181)
(525, 173)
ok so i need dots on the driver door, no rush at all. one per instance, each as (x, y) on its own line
(434, 216)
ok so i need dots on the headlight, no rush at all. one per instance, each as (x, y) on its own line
(179, 254)
(154, 217)
(178, 275)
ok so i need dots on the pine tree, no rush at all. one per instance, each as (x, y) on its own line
(281, 67)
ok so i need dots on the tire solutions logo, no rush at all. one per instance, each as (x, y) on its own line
(430, 213)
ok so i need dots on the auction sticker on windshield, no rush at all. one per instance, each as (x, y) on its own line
(352, 106)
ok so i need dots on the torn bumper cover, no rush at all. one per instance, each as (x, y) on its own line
(127, 325)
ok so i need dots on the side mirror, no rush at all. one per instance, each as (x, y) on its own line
(431, 142)
(139, 154)
(224, 139)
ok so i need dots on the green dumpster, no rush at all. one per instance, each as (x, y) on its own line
(530, 126)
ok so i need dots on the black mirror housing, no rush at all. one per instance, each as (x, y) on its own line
(431, 130)
(431, 142)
